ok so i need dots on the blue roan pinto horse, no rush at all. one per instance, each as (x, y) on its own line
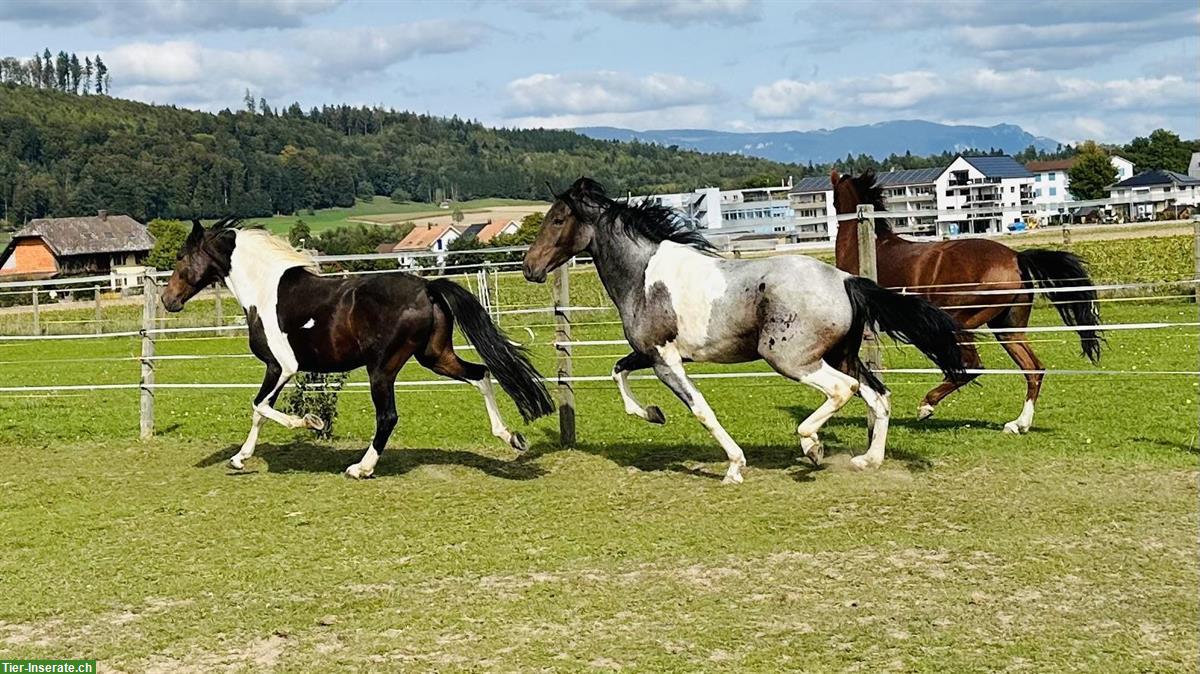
(679, 302)
(299, 320)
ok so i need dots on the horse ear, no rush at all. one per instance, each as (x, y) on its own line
(197, 232)
(553, 194)
(834, 177)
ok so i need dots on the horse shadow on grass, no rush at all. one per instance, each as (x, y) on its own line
(840, 437)
(309, 457)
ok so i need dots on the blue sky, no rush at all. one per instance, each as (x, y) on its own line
(1069, 70)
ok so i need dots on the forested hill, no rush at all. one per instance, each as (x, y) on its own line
(66, 154)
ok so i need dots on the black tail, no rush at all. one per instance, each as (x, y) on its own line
(508, 362)
(909, 319)
(1053, 269)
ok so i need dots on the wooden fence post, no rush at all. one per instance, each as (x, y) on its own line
(220, 306)
(149, 313)
(1196, 251)
(99, 316)
(562, 334)
(1066, 235)
(868, 268)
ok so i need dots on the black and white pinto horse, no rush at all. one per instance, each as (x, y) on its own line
(300, 321)
(680, 302)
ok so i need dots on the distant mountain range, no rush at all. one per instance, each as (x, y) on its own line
(826, 145)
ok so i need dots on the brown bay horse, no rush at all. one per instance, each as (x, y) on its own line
(977, 281)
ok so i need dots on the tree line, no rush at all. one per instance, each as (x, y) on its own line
(64, 72)
(63, 154)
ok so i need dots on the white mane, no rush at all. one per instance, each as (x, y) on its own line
(260, 242)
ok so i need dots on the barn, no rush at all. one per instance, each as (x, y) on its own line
(50, 247)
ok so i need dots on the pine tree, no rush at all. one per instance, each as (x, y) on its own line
(101, 72)
(48, 77)
(62, 71)
(35, 70)
(248, 99)
(87, 76)
(76, 73)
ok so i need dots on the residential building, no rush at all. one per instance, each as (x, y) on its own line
(1152, 194)
(811, 200)
(994, 192)
(427, 238)
(1194, 166)
(911, 190)
(50, 247)
(486, 231)
(1052, 183)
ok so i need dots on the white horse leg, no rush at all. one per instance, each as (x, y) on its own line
(879, 409)
(273, 382)
(1022, 423)
(238, 461)
(620, 375)
(515, 440)
(365, 466)
(838, 388)
(671, 373)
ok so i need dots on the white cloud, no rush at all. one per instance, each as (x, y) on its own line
(1042, 101)
(345, 53)
(683, 117)
(164, 16)
(603, 92)
(188, 74)
(717, 12)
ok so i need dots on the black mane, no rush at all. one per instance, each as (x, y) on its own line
(647, 220)
(870, 193)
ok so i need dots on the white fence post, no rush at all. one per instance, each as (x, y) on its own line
(220, 306)
(149, 313)
(562, 335)
(99, 319)
(37, 315)
(867, 267)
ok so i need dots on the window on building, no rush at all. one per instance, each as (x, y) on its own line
(1037, 192)
(1052, 176)
(1037, 178)
(1053, 191)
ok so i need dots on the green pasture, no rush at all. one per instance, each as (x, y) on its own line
(379, 209)
(1071, 548)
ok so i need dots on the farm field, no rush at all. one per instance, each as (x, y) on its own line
(1071, 548)
(383, 211)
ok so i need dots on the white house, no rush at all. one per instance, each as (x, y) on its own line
(911, 190)
(1147, 194)
(1052, 184)
(995, 192)
(427, 238)
(755, 209)
(811, 200)
(1194, 166)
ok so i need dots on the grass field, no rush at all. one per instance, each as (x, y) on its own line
(1069, 549)
(381, 209)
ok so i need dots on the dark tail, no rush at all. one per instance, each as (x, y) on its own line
(509, 363)
(1054, 269)
(909, 319)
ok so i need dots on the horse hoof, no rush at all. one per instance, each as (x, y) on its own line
(355, 472)
(518, 442)
(236, 463)
(732, 478)
(924, 412)
(314, 422)
(862, 463)
(655, 415)
(1012, 428)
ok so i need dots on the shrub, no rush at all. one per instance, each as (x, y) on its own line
(316, 393)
